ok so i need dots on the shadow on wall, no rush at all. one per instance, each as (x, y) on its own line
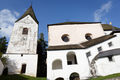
(13, 77)
(12, 68)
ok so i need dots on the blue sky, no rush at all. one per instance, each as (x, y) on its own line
(55, 11)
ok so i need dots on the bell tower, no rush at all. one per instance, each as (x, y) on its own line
(24, 35)
(21, 51)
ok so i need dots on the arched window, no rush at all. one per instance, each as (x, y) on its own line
(88, 36)
(57, 64)
(25, 31)
(71, 58)
(65, 37)
(74, 76)
(59, 78)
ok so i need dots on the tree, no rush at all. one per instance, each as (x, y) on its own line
(3, 47)
(42, 44)
(42, 55)
(3, 44)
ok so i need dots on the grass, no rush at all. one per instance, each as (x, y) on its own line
(19, 77)
(24, 77)
(106, 77)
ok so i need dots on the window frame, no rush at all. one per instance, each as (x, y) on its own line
(99, 49)
(25, 31)
(110, 44)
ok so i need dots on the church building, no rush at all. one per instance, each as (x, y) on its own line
(79, 50)
(21, 51)
(76, 50)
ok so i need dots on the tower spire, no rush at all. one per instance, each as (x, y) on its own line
(30, 12)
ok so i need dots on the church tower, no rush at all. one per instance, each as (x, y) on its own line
(21, 51)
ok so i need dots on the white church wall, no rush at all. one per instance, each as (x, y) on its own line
(1, 67)
(20, 43)
(105, 67)
(15, 62)
(82, 66)
(76, 33)
(104, 45)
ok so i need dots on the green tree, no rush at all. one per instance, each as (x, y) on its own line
(42, 55)
(3, 47)
(3, 44)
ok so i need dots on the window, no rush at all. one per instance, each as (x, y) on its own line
(110, 44)
(88, 54)
(25, 31)
(99, 49)
(110, 58)
(23, 69)
(65, 37)
(57, 64)
(71, 58)
(21, 55)
(88, 36)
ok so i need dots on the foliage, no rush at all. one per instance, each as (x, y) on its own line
(3, 44)
(42, 54)
(3, 47)
(4, 60)
(0, 55)
(106, 77)
(42, 44)
(19, 77)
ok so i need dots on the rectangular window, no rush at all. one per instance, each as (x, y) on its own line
(99, 49)
(25, 31)
(88, 54)
(110, 58)
(110, 44)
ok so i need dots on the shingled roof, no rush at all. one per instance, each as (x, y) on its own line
(83, 45)
(67, 23)
(106, 27)
(30, 12)
(108, 53)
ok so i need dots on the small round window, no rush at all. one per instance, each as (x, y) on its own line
(65, 37)
(88, 36)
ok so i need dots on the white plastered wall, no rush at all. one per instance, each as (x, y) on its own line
(76, 33)
(82, 68)
(20, 43)
(15, 62)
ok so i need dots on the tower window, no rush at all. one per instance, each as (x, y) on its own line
(88, 36)
(65, 37)
(99, 49)
(110, 44)
(25, 31)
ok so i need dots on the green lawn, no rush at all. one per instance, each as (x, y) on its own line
(23, 77)
(19, 77)
(106, 77)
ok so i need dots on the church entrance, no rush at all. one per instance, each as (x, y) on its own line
(23, 69)
(74, 76)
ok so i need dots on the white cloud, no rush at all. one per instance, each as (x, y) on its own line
(7, 19)
(16, 13)
(99, 13)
